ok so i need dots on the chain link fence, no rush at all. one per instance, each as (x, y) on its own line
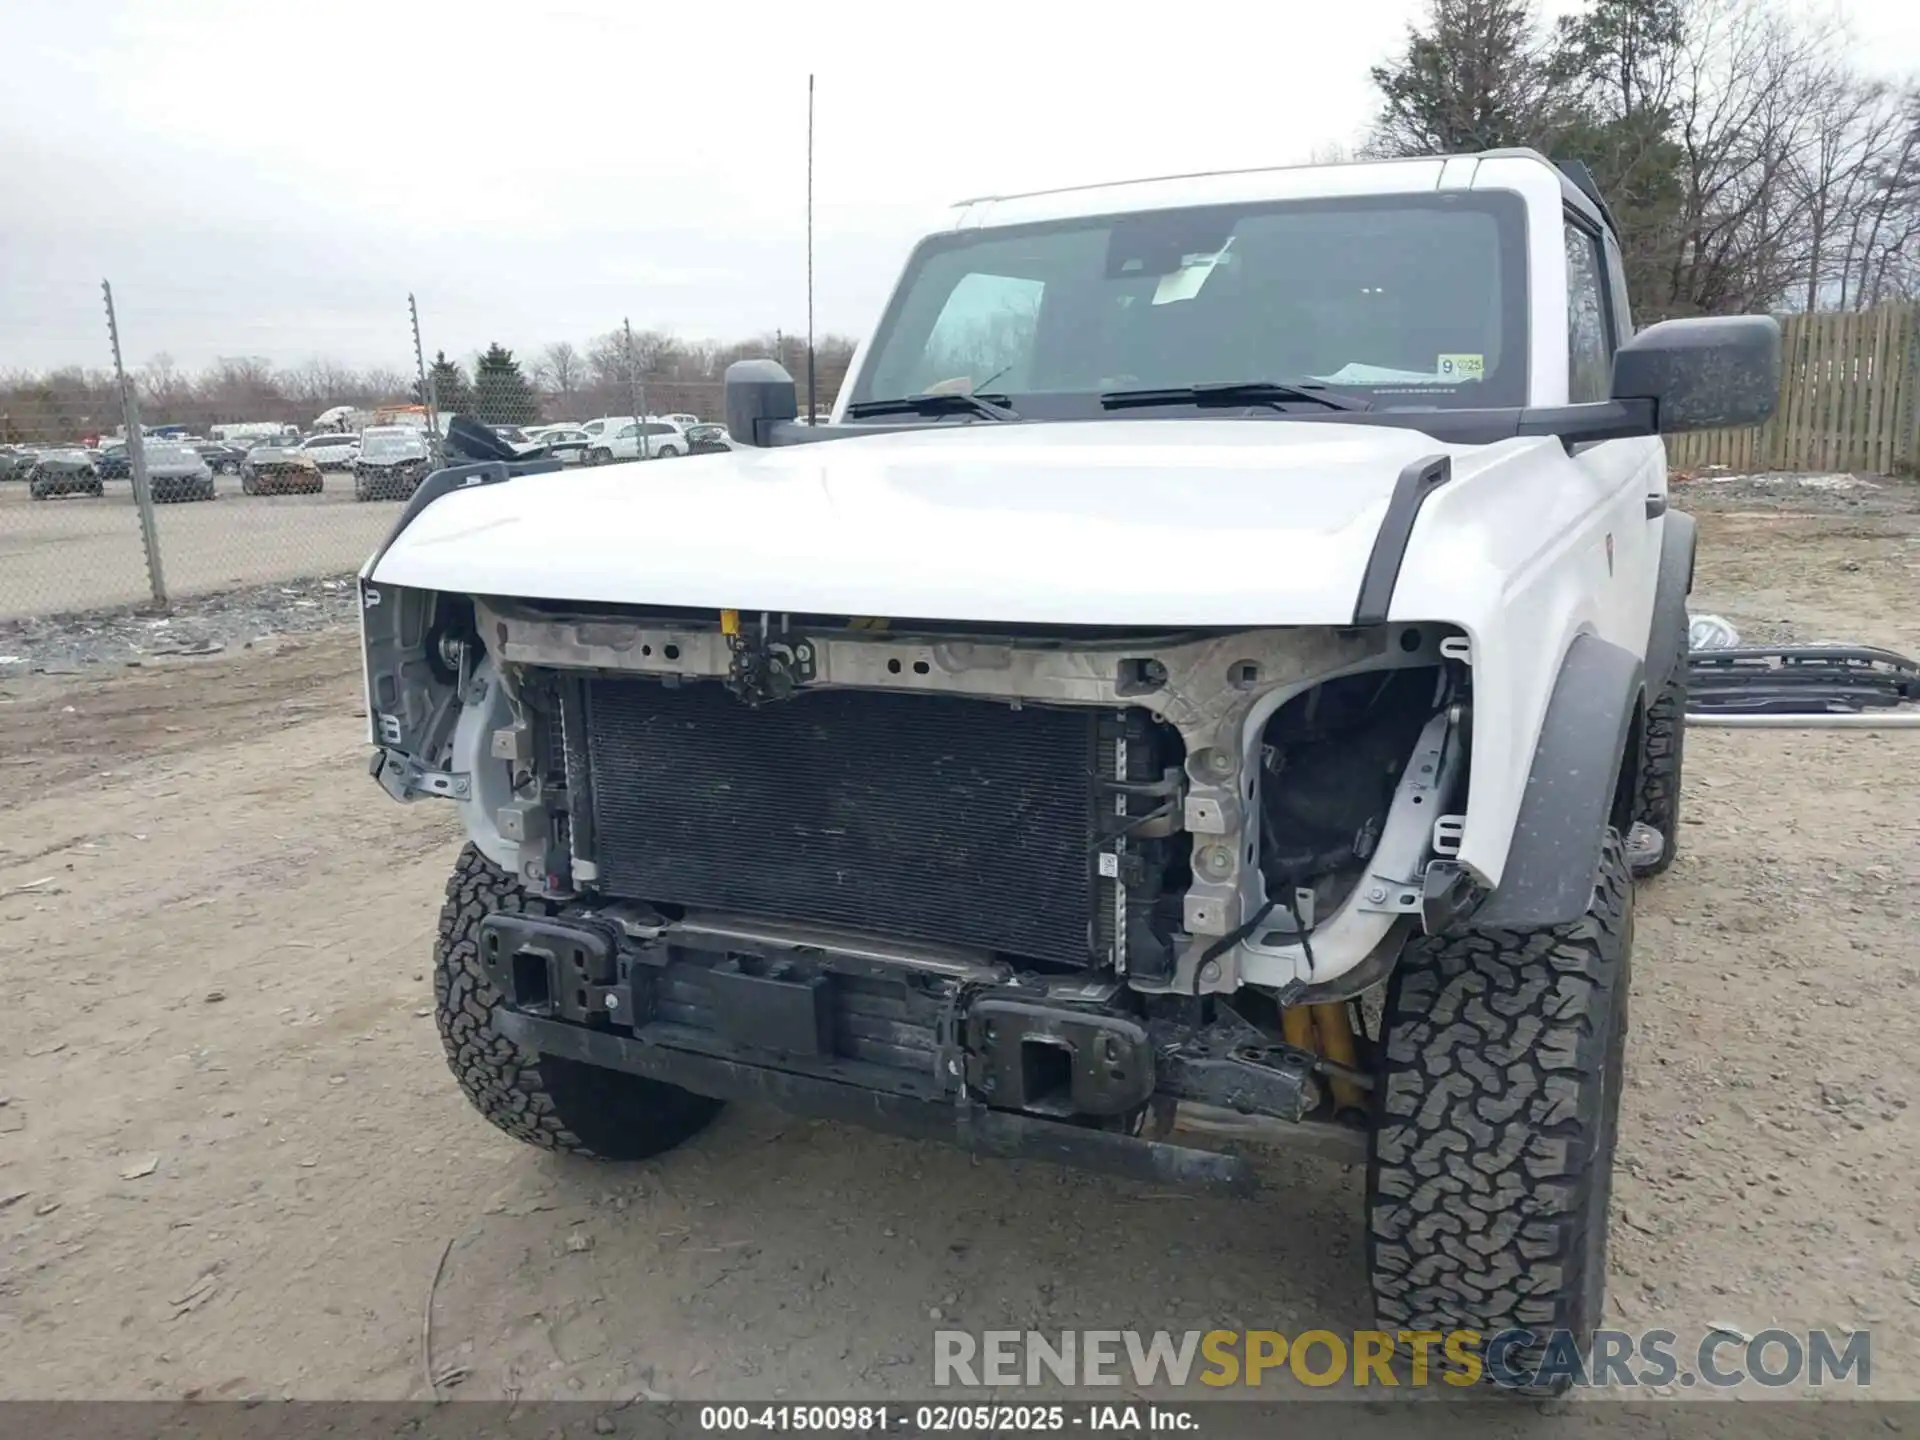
(140, 486)
(70, 536)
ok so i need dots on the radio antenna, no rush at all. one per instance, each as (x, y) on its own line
(813, 384)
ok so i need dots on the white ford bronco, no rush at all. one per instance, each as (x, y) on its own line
(1216, 675)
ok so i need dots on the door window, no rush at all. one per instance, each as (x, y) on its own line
(1589, 344)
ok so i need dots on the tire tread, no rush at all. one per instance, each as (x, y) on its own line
(551, 1103)
(1497, 1107)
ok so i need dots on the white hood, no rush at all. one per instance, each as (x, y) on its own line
(1188, 522)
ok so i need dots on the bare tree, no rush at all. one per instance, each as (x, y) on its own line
(561, 370)
(1883, 241)
(166, 394)
(383, 384)
(1858, 134)
(1748, 162)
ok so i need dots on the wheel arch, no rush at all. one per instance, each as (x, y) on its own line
(1667, 632)
(1579, 785)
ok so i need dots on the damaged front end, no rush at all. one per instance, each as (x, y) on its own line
(1039, 891)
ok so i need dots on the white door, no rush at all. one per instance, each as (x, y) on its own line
(1625, 555)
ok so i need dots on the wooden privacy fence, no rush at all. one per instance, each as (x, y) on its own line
(1849, 400)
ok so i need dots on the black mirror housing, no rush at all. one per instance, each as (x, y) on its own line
(1714, 373)
(760, 393)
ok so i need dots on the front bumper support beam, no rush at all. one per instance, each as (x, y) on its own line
(964, 1123)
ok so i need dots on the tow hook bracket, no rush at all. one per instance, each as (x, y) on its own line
(1240, 1069)
(550, 968)
(1049, 1060)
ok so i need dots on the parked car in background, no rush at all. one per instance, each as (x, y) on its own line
(391, 463)
(638, 440)
(280, 470)
(249, 434)
(111, 461)
(221, 457)
(15, 463)
(707, 440)
(332, 451)
(68, 471)
(564, 443)
(177, 471)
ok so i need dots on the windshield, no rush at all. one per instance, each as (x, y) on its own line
(391, 447)
(1411, 301)
(170, 453)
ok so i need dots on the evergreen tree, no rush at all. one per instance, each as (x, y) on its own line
(1475, 78)
(1615, 71)
(449, 385)
(501, 394)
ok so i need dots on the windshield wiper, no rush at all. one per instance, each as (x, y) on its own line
(944, 402)
(1234, 392)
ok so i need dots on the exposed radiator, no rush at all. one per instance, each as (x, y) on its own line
(928, 817)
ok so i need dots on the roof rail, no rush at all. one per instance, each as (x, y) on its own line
(1583, 181)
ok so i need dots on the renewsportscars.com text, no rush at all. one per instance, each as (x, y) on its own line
(1717, 1360)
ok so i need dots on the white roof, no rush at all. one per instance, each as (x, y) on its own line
(1229, 187)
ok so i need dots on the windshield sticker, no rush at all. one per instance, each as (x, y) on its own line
(1185, 283)
(1355, 373)
(1462, 367)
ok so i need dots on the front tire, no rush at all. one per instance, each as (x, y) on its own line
(1498, 1107)
(1656, 801)
(543, 1100)
(599, 457)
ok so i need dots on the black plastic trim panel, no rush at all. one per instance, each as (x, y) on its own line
(1573, 424)
(1410, 491)
(1568, 802)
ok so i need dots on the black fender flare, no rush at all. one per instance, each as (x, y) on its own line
(1667, 635)
(1571, 790)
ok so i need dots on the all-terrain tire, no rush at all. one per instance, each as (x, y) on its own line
(1498, 1103)
(1656, 800)
(544, 1100)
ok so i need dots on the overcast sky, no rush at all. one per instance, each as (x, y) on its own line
(274, 178)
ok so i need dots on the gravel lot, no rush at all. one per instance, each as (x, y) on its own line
(75, 553)
(231, 1155)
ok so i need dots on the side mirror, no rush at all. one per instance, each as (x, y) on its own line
(759, 393)
(1717, 373)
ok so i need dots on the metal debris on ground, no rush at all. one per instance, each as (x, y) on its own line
(1711, 632)
(202, 625)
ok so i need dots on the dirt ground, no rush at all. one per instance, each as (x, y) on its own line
(231, 1156)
